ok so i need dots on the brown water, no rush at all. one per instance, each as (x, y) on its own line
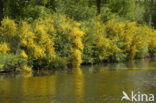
(90, 84)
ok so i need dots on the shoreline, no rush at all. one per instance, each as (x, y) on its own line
(82, 65)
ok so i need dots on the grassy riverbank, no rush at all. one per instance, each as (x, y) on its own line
(51, 35)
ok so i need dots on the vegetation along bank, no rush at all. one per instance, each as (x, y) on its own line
(54, 34)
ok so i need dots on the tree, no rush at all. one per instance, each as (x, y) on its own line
(98, 4)
(150, 14)
(1, 10)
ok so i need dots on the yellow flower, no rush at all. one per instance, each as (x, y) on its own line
(38, 52)
(76, 58)
(66, 26)
(4, 48)
(27, 69)
(77, 24)
(78, 43)
(23, 54)
(24, 42)
(10, 26)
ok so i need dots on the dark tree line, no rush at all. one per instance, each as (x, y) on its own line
(25, 8)
(150, 14)
(1, 10)
(98, 3)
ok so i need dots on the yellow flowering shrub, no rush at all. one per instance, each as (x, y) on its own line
(37, 41)
(59, 39)
(73, 33)
(76, 58)
(43, 39)
(66, 26)
(49, 22)
(8, 33)
(38, 52)
(27, 68)
(104, 45)
(26, 36)
(133, 37)
(4, 48)
(23, 54)
(77, 37)
(152, 37)
(9, 27)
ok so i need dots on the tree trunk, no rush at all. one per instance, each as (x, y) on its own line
(1, 10)
(150, 14)
(98, 5)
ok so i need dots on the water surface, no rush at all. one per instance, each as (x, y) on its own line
(91, 84)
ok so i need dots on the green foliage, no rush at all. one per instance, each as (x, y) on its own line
(89, 41)
(67, 33)
(11, 63)
(107, 15)
(34, 12)
(58, 63)
(142, 53)
(89, 54)
(154, 15)
(129, 9)
(118, 57)
(80, 10)
(77, 9)
(35, 41)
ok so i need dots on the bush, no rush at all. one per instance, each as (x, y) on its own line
(78, 10)
(11, 63)
(59, 42)
(32, 13)
(128, 9)
(58, 63)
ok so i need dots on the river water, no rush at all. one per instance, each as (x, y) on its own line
(101, 83)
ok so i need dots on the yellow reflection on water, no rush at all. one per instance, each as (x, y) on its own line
(6, 86)
(27, 75)
(79, 84)
(39, 86)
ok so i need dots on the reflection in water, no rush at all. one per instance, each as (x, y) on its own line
(78, 84)
(91, 84)
(38, 87)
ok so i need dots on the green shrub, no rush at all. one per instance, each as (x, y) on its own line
(58, 63)
(128, 9)
(118, 57)
(79, 10)
(11, 62)
(142, 53)
(60, 42)
(34, 12)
